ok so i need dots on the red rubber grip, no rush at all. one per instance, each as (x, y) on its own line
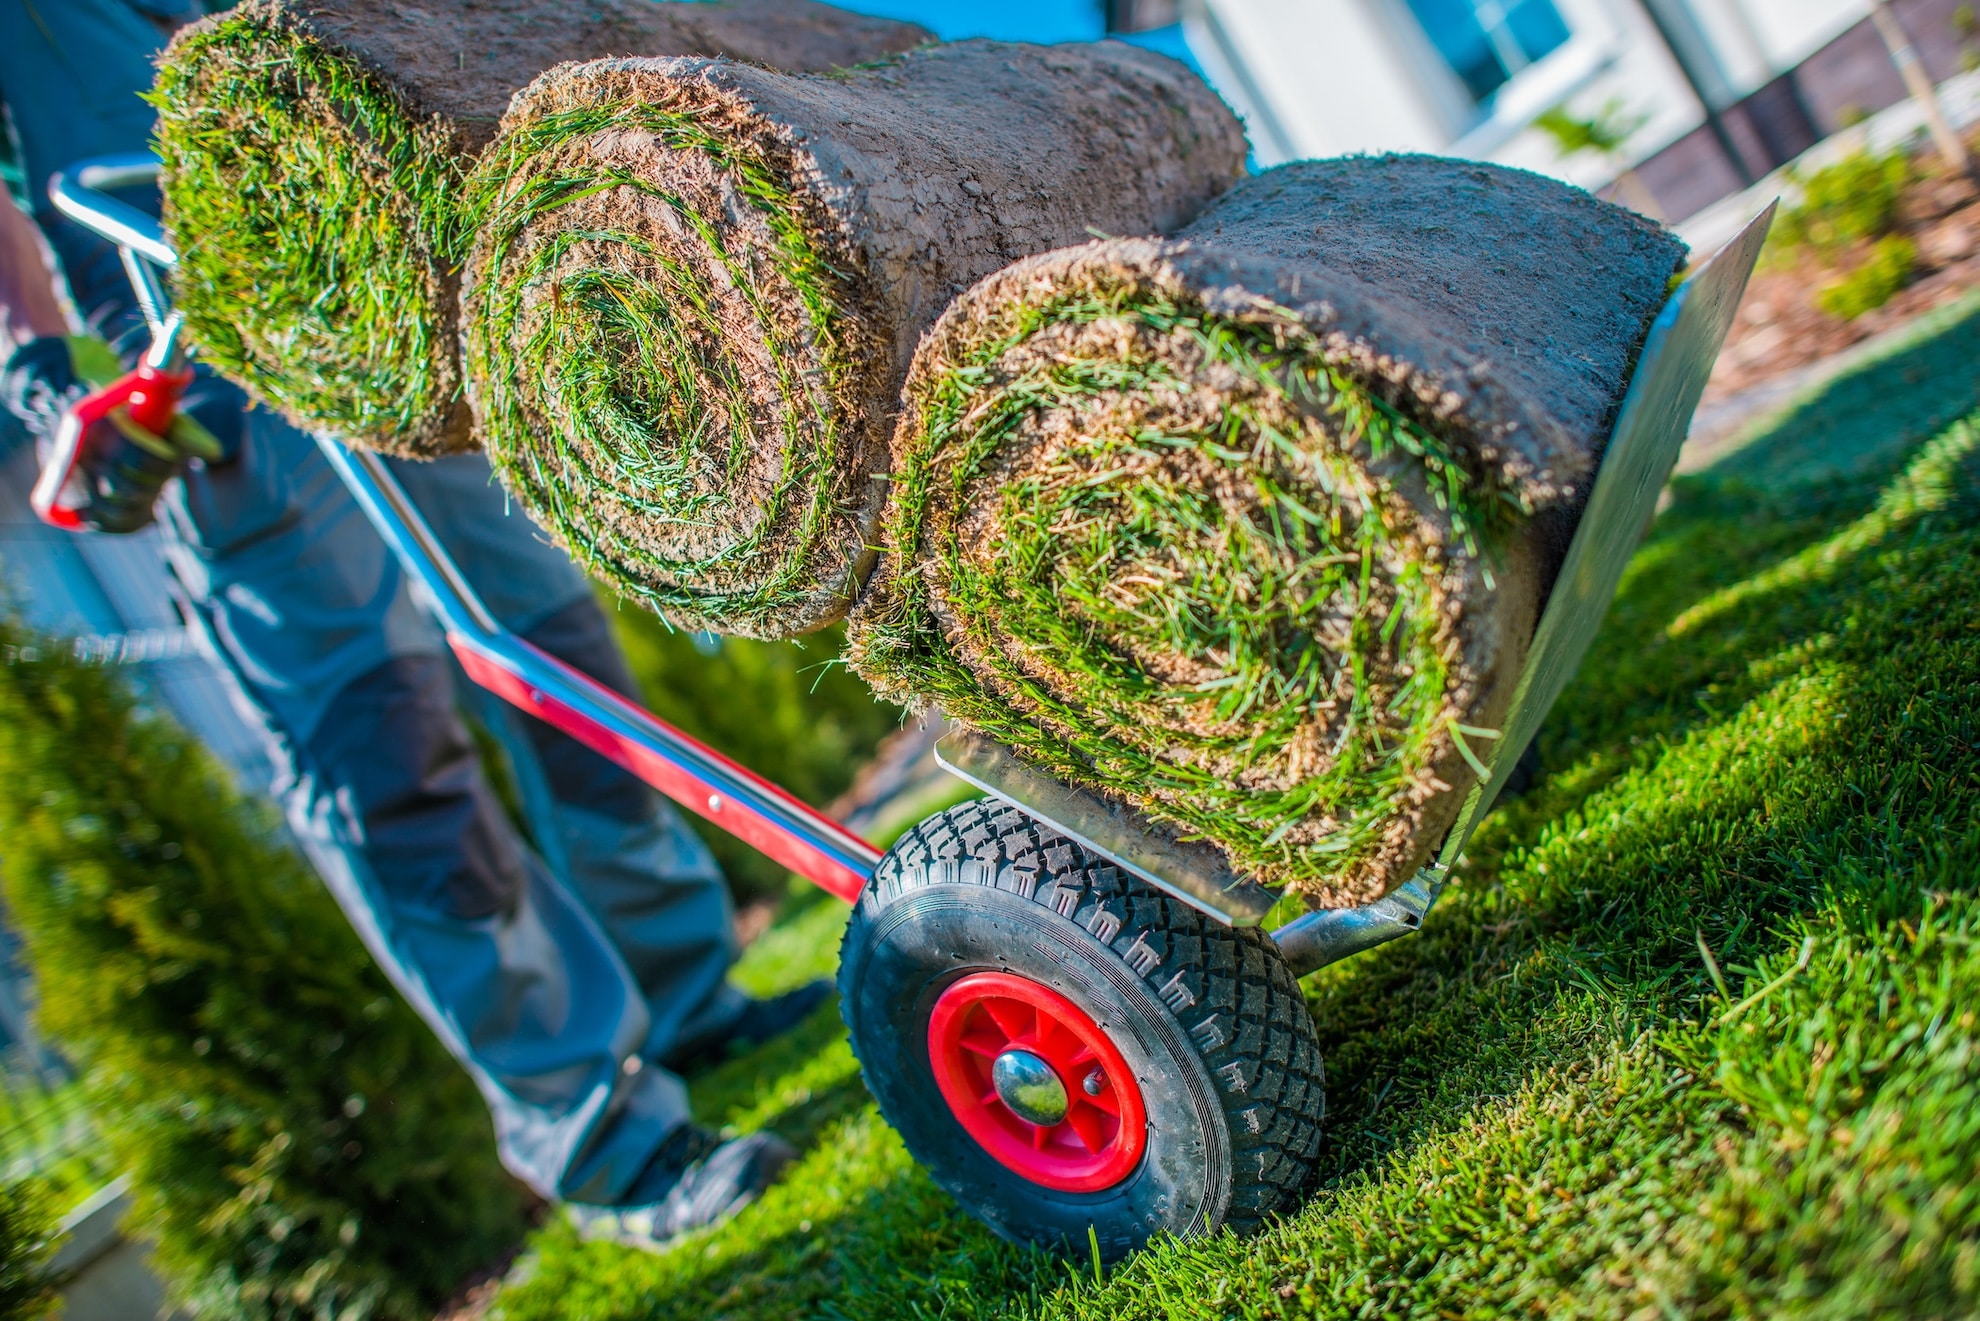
(150, 398)
(152, 395)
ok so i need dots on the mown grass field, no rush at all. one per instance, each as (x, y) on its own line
(1695, 1035)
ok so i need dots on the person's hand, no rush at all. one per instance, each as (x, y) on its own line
(118, 466)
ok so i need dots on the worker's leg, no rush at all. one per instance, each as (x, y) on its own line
(646, 877)
(382, 788)
(389, 799)
(313, 621)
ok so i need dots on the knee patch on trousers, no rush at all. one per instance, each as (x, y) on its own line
(393, 749)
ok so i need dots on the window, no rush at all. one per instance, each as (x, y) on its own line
(1487, 42)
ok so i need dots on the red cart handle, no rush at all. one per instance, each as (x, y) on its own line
(148, 397)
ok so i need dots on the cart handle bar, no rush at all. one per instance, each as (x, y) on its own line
(686, 770)
(678, 765)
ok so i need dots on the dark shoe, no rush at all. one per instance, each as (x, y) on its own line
(669, 1201)
(758, 1022)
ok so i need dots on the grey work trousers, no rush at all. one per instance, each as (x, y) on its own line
(554, 989)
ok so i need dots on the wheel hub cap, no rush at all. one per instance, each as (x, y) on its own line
(1036, 1082)
(1028, 1086)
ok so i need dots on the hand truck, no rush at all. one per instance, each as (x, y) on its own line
(1068, 1013)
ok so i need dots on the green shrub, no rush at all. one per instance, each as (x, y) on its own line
(1606, 132)
(1851, 200)
(300, 1145)
(1872, 283)
(26, 1226)
(786, 710)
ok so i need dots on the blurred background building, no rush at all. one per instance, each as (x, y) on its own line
(1675, 104)
(1696, 99)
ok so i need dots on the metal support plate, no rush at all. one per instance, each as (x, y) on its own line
(1194, 872)
(1670, 377)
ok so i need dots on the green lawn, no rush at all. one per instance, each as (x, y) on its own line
(1555, 1101)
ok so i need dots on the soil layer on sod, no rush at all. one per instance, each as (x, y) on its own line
(314, 157)
(697, 285)
(1251, 528)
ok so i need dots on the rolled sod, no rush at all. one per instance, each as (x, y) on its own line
(1251, 528)
(697, 286)
(314, 157)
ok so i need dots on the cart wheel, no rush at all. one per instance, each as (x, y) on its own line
(1063, 1047)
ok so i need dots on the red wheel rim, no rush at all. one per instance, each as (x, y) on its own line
(1099, 1141)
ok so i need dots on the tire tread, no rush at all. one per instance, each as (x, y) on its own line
(1238, 1004)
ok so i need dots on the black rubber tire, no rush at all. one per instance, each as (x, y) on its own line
(1209, 1019)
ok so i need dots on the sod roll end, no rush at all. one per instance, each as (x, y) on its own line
(1251, 528)
(314, 157)
(697, 285)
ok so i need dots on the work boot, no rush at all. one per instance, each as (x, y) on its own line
(694, 1181)
(755, 1023)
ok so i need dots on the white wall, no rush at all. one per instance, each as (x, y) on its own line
(1637, 72)
(1342, 76)
(1333, 77)
(1758, 39)
(1792, 30)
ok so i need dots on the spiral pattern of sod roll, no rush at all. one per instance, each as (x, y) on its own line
(315, 155)
(308, 207)
(1178, 557)
(1173, 534)
(624, 358)
(696, 286)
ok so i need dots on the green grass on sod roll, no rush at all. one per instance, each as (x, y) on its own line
(313, 218)
(1180, 616)
(645, 473)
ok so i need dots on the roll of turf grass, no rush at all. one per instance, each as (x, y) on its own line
(314, 155)
(696, 287)
(1251, 529)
